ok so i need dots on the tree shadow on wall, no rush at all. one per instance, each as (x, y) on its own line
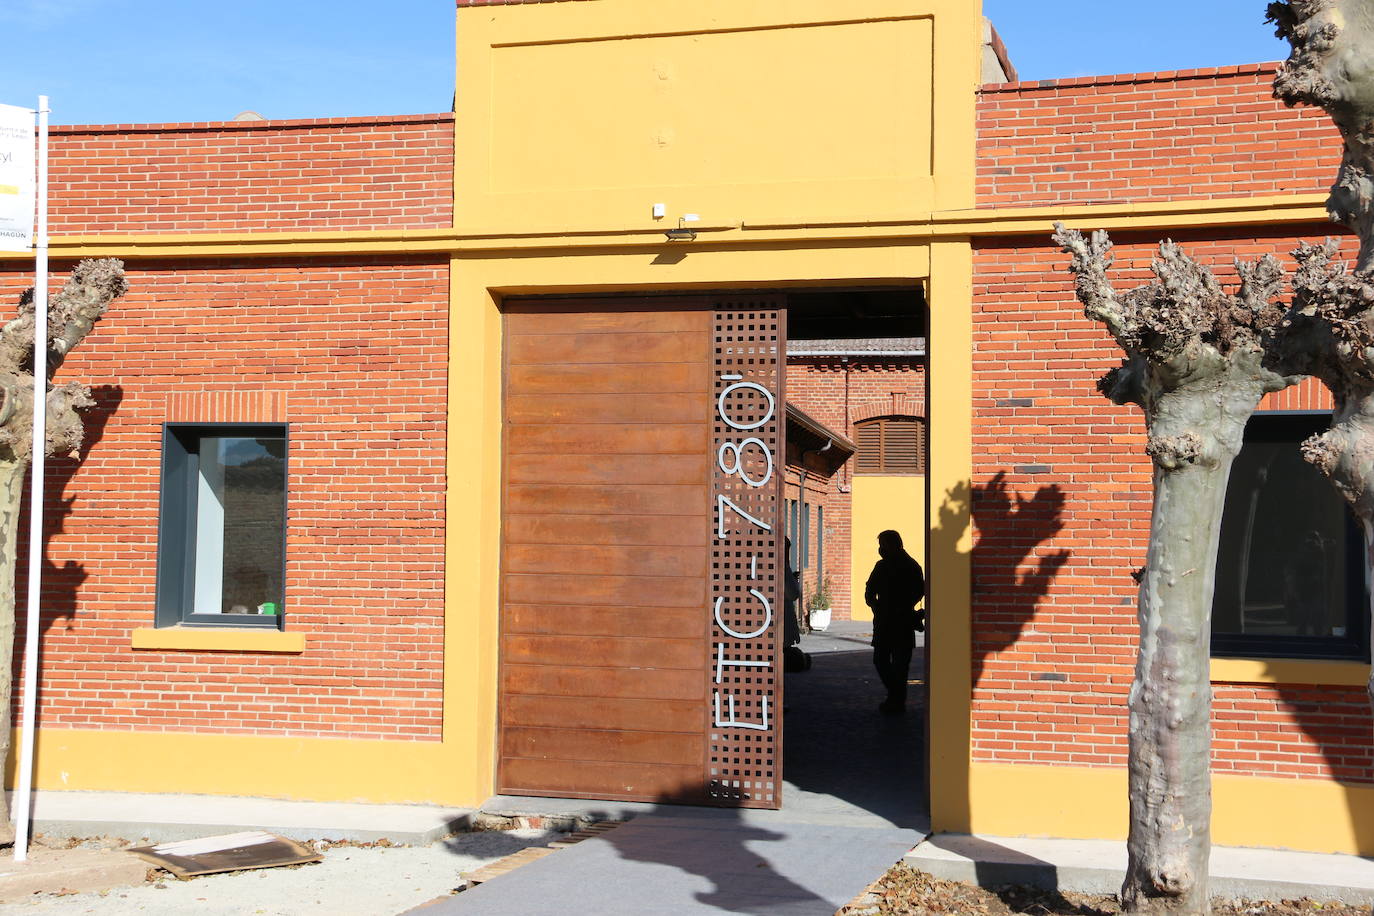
(1010, 573)
(61, 585)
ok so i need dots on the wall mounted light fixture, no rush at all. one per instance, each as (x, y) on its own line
(682, 233)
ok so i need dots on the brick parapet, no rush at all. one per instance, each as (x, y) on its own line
(1148, 137)
(319, 174)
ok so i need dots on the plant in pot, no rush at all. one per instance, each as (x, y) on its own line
(818, 606)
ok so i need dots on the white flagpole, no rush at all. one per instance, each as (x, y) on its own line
(24, 790)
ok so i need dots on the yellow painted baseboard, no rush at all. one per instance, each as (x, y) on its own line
(304, 769)
(217, 639)
(1289, 671)
(1091, 803)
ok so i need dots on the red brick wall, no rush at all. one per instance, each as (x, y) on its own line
(838, 396)
(1062, 509)
(240, 176)
(1194, 134)
(357, 353)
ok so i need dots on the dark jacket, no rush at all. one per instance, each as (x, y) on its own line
(894, 588)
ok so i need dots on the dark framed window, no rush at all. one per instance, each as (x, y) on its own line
(820, 543)
(1290, 579)
(791, 522)
(805, 535)
(890, 445)
(222, 525)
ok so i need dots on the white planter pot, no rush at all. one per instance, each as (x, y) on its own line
(820, 618)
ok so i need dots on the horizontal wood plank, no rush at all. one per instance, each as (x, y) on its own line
(638, 499)
(568, 438)
(608, 469)
(574, 560)
(602, 408)
(613, 620)
(594, 589)
(612, 747)
(682, 716)
(618, 651)
(571, 779)
(613, 349)
(613, 683)
(587, 319)
(633, 530)
(661, 378)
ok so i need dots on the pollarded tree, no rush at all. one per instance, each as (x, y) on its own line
(72, 312)
(1194, 364)
(1330, 331)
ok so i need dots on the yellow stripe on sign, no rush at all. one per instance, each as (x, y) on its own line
(9, 189)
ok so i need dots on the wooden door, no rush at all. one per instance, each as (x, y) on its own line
(609, 557)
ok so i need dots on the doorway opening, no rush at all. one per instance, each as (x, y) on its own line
(630, 503)
(856, 365)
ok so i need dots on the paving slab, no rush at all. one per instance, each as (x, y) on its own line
(1099, 866)
(696, 861)
(161, 818)
(68, 871)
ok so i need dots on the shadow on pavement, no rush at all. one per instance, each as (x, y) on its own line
(842, 758)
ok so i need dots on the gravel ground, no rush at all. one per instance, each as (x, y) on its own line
(351, 881)
(904, 891)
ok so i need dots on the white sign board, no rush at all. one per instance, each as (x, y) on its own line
(17, 180)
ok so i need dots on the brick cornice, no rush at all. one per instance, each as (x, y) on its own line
(1267, 68)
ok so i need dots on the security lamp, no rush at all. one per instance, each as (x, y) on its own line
(682, 233)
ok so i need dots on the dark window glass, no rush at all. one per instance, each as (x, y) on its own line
(222, 538)
(792, 532)
(1290, 581)
(820, 544)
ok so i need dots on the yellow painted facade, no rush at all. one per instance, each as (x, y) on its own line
(877, 504)
(771, 120)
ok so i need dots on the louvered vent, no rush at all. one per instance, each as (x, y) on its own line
(891, 445)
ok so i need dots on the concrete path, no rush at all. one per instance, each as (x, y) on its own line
(161, 818)
(696, 861)
(853, 805)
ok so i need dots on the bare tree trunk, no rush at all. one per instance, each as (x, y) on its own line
(1194, 365)
(1170, 702)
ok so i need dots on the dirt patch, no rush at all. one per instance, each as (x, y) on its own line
(904, 891)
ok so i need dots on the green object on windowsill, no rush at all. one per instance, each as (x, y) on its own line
(267, 607)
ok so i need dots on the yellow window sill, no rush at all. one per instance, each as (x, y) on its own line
(218, 639)
(1288, 671)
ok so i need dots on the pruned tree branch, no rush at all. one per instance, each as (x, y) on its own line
(1331, 66)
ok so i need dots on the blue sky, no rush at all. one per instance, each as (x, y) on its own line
(1094, 37)
(122, 61)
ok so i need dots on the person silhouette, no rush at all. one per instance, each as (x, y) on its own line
(894, 588)
(794, 659)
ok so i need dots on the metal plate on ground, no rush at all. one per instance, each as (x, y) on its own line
(228, 852)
